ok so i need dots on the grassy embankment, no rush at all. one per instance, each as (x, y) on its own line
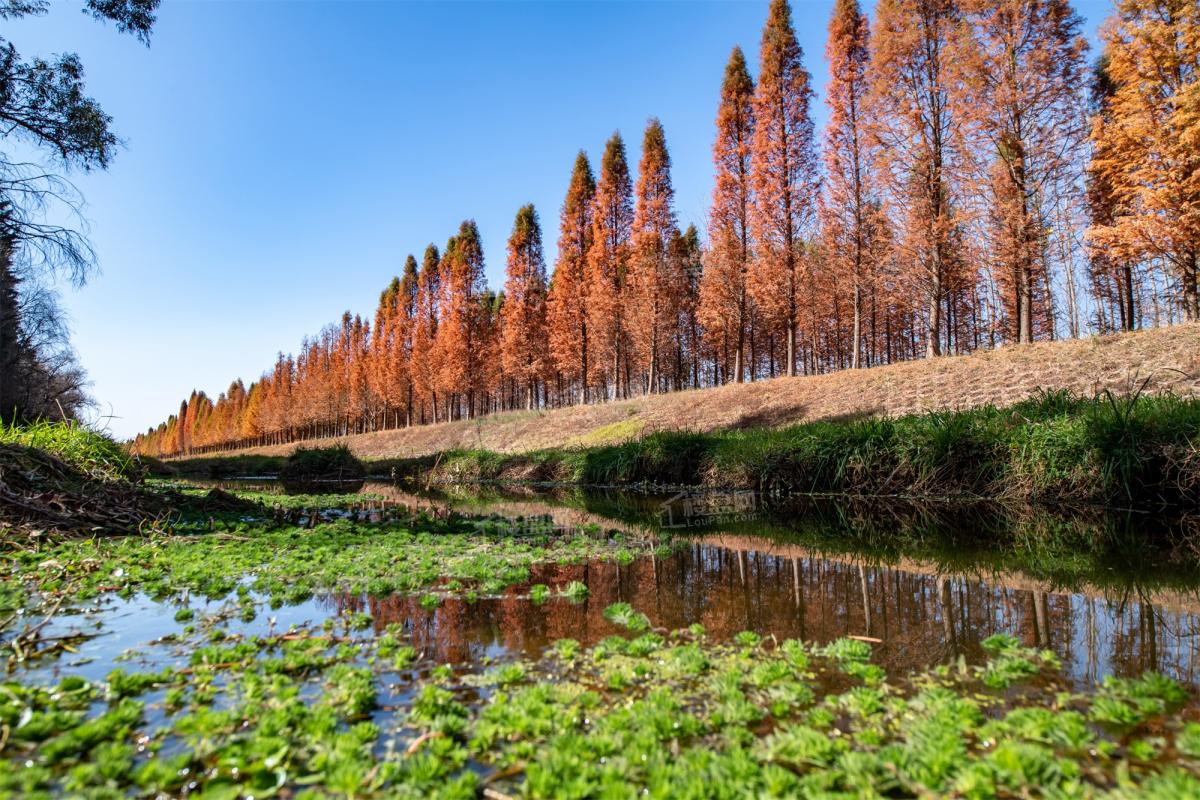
(1139, 450)
(91, 454)
(1086, 367)
(963, 427)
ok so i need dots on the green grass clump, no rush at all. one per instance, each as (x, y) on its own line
(217, 467)
(575, 591)
(624, 615)
(93, 454)
(328, 463)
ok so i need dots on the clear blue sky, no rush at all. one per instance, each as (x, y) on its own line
(282, 158)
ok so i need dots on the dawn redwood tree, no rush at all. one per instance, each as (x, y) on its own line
(1147, 147)
(488, 375)
(567, 304)
(1023, 74)
(1113, 276)
(523, 348)
(724, 303)
(846, 204)
(784, 171)
(687, 343)
(607, 262)
(919, 135)
(654, 279)
(181, 432)
(425, 328)
(381, 378)
(400, 365)
(450, 346)
(460, 329)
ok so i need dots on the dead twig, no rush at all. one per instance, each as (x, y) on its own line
(421, 740)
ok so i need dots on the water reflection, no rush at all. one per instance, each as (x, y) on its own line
(919, 618)
(928, 583)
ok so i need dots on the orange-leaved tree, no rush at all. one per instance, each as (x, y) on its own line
(784, 170)
(920, 145)
(612, 221)
(567, 304)
(524, 351)
(846, 209)
(1148, 145)
(653, 279)
(724, 304)
(1022, 76)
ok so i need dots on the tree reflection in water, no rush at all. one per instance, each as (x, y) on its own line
(921, 609)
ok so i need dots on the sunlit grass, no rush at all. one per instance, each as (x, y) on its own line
(94, 454)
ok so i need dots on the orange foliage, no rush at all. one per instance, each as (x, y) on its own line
(784, 167)
(948, 221)
(724, 305)
(607, 263)
(568, 301)
(654, 277)
(524, 352)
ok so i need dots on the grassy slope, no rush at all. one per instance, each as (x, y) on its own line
(1170, 356)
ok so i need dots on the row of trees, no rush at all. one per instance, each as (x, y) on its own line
(968, 192)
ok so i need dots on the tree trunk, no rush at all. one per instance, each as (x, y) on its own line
(791, 349)
(856, 343)
(9, 335)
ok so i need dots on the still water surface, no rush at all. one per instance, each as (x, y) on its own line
(788, 572)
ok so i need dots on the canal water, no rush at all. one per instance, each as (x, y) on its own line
(924, 584)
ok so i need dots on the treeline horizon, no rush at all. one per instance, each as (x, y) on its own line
(979, 182)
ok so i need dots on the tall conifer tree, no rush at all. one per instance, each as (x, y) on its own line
(784, 168)
(612, 222)
(654, 276)
(567, 305)
(846, 210)
(424, 357)
(919, 138)
(524, 351)
(724, 305)
(1023, 74)
(1148, 149)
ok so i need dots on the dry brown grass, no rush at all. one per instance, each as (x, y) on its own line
(1170, 357)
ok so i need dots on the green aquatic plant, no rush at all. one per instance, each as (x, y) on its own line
(293, 704)
(1124, 704)
(624, 615)
(575, 591)
(691, 717)
(289, 563)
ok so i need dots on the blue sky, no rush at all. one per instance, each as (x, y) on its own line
(282, 158)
